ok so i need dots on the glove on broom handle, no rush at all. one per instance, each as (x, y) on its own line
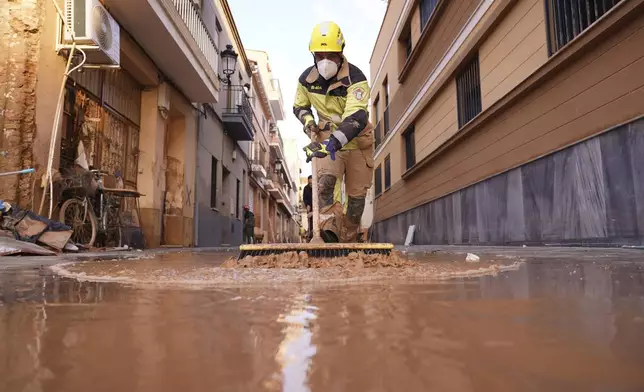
(316, 239)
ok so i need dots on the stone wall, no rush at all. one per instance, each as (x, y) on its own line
(20, 33)
(590, 193)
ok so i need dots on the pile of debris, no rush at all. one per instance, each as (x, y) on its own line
(24, 232)
(294, 260)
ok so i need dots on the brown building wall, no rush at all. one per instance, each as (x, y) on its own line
(591, 85)
(513, 51)
(437, 123)
(428, 50)
(394, 9)
(443, 27)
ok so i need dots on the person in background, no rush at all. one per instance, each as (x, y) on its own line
(249, 226)
(307, 199)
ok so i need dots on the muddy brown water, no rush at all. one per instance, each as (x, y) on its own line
(163, 325)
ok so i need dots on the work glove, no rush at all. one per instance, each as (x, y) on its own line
(320, 150)
(309, 127)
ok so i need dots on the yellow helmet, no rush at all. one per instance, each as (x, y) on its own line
(326, 37)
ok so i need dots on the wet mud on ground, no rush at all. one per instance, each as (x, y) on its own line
(562, 320)
(222, 270)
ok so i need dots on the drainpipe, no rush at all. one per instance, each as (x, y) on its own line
(196, 213)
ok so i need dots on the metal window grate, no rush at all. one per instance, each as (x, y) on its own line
(378, 180)
(386, 121)
(427, 8)
(387, 172)
(410, 147)
(385, 86)
(468, 89)
(569, 18)
(378, 135)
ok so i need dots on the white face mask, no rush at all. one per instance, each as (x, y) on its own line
(327, 68)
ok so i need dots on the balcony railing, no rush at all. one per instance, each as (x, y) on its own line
(192, 18)
(238, 113)
(237, 102)
(277, 180)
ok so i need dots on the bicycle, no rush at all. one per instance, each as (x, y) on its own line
(92, 215)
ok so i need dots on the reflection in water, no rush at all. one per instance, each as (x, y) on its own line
(295, 351)
(562, 326)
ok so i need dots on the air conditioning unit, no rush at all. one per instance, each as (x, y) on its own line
(95, 31)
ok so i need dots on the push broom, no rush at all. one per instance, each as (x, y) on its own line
(316, 247)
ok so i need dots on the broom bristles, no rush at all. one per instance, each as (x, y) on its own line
(315, 250)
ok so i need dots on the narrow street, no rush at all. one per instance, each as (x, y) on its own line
(569, 320)
(322, 195)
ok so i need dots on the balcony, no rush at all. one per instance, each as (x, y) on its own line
(287, 206)
(268, 183)
(275, 99)
(277, 144)
(173, 34)
(258, 169)
(237, 114)
(277, 191)
(275, 187)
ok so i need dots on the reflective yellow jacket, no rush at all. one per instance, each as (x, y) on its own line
(342, 101)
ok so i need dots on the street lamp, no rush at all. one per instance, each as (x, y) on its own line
(278, 165)
(229, 58)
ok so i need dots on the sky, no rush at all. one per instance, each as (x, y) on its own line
(282, 28)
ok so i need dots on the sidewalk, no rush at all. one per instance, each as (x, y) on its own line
(8, 262)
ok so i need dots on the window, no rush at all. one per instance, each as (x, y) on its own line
(376, 112)
(237, 199)
(385, 86)
(387, 172)
(567, 19)
(227, 197)
(405, 42)
(410, 147)
(427, 8)
(378, 180)
(213, 183)
(376, 120)
(468, 92)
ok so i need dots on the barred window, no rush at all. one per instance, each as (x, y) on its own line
(387, 172)
(378, 180)
(569, 18)
(410, 147)
(427, 8)
(468, 92)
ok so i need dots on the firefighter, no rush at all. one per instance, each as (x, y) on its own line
(344, 138)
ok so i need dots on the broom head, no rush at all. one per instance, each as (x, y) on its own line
(315, 250)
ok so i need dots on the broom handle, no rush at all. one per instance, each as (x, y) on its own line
(316, 199)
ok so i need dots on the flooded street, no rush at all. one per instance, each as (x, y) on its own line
(179, 323)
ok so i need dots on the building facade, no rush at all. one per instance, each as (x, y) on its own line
(155, 105)
(509, 121)
(131, 110)
(274, 186)
(227, 130)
